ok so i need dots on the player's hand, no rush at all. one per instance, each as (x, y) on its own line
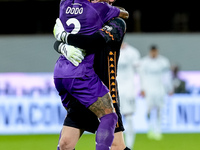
(74, 55)
(123, 13)
(59, 32)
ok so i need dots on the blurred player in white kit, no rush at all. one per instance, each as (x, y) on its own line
(127, 67)
(156, 83)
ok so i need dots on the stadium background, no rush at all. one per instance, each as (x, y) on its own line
(28, 99)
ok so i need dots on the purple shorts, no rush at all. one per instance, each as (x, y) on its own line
(86, 89)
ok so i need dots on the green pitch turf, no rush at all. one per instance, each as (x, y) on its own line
(87, 142)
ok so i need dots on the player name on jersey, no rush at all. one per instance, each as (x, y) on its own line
(75, 11)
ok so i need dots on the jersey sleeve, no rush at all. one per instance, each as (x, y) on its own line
(106, 11)
(114, 30)
(112, 12)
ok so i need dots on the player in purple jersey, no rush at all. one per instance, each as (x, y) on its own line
(83, 17)
(102, 44)
(76, 115)
(82, 83)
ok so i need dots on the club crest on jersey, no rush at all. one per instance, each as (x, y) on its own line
(107, 28)
(73, 10)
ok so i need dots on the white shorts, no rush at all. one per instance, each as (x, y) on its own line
(155, 100)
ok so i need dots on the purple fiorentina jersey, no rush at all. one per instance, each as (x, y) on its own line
(83, 17)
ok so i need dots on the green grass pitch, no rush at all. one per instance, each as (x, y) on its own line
(87, 142)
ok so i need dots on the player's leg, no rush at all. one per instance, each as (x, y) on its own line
(128, 108)
(93, 94)
(69, 134)
(102, 106)
(129, 133)
(160, 103)
(103, 109)
(79, 117)
(150, 118)
(69, 137)
(118, 142)
(157, 134)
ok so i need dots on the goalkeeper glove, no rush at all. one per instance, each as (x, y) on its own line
(59, 32)
(74, 55)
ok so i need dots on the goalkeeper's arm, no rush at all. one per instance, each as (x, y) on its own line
(112, 32)
(90, 43)
(57, 46)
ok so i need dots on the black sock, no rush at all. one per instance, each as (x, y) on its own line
(127, 148)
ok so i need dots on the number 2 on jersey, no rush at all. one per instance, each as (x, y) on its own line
(76, 23)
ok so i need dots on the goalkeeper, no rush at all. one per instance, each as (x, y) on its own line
(106, 45)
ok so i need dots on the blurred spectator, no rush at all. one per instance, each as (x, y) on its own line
(178, 84)
(127, 67)
(155, 75)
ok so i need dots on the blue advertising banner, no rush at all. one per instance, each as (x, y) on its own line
(29, 104)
